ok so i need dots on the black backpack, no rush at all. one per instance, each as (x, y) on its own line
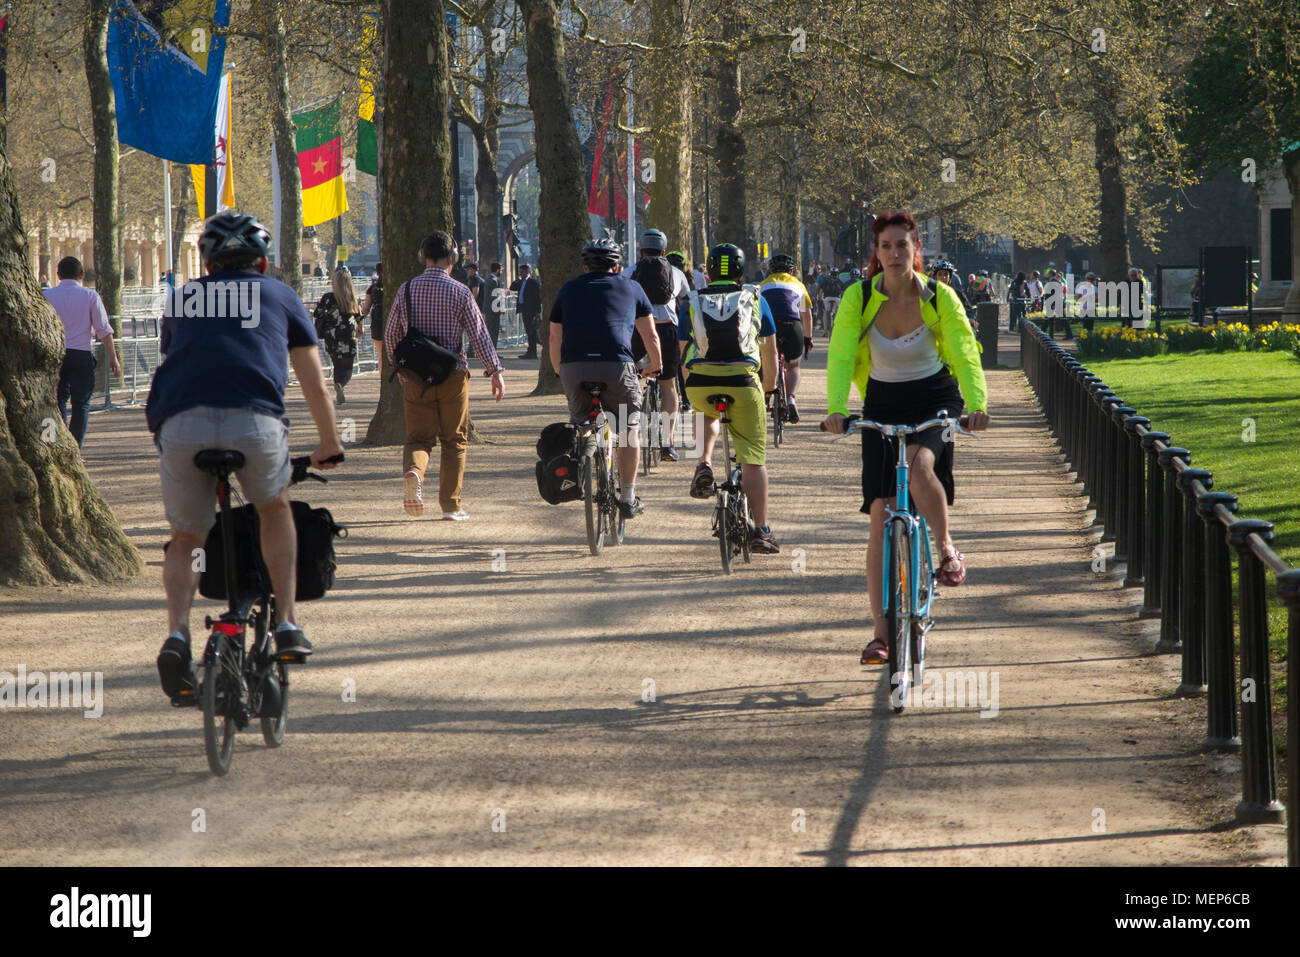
(420, 355)
(559, 463)
(316, 562)
(833, 287)
(655, 274)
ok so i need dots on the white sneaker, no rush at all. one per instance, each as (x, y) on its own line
(413, 500)
(457, 516)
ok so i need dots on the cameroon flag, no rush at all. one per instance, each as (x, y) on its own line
(319, 140)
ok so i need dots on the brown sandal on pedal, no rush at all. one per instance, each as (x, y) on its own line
(952, 570)
(876, 653)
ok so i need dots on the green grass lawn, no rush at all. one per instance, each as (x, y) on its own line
(1203, 399)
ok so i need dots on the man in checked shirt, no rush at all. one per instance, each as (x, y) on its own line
(444, 310)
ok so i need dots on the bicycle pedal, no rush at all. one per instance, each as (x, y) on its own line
(185, 699)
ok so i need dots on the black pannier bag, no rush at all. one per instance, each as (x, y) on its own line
(420, 355)
(559, 463)
(316, 562)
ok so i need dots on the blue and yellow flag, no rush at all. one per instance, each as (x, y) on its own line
(166, 71)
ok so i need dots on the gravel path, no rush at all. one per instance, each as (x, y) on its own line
(503, 681)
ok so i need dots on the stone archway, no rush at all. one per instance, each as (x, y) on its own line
(509, 180)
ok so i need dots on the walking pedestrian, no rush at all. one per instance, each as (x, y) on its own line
(529, 292)
(84, 319)
(338, 324)
(373, 306)
(445, 311)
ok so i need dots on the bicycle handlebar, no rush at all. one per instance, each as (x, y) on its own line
(303, 463)
(856, 424)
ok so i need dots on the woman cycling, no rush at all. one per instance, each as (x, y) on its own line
(338, 323)
(910, 351)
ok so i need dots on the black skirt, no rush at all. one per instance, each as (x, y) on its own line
(906, 403)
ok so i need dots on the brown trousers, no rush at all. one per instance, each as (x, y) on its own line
(441, 414)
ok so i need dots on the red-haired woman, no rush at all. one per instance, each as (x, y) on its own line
(908, 348)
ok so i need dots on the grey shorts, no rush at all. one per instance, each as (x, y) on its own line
(190, 495)
(621, 397)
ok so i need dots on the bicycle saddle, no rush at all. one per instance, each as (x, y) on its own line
(720, 397)
(217, 460)
(595, 388)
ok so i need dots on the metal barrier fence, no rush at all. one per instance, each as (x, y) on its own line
(1178, 537)
(139, 345)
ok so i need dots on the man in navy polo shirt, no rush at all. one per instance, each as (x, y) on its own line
(591, 341)
(227, 341)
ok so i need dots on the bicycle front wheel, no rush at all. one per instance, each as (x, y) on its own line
(899, 616)
(595, 514)
(217, 698)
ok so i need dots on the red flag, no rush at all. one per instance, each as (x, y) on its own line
(597, 195)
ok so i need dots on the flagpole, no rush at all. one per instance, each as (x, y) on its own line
(167, 208)
(631, 177)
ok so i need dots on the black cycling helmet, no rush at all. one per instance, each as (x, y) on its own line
(782, 262)
(726, 262)
(602, 253)
(675, 258)
(233, 237)
(654, 239)
(939, 265)
(855, 273)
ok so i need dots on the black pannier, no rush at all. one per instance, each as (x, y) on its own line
(559, 465)
(316, 562)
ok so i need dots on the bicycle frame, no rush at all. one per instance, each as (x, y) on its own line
(918, 535)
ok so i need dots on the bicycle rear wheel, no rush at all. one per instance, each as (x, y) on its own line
(217, 698)
(742, 526)
(591, 485)
(273, 727)
(650, 434)
(722, 519)
(778, 409)
(899, 615)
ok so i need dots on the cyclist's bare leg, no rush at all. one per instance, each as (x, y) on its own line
(754, 480)
(280, 552)
(928, 492)
(792, 377)
(875, 567)
(668, 407)
(708, 435)
(180, 581)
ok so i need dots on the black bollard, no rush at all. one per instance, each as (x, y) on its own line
(1153, 534)
(1220, 667)
(1118, 517)
(1191, 608)
(1259, 803)
(1134, 523)
(1171, 552)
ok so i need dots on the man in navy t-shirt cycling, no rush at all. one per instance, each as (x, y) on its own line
(227, 340)
(591, 341)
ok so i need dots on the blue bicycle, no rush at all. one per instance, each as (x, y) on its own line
(910, 582)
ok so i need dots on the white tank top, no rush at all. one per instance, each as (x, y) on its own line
(913, 356)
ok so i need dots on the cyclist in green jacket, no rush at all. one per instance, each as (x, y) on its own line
(902, 338)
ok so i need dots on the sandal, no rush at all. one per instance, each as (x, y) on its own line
(876, 653)
(952, 570)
